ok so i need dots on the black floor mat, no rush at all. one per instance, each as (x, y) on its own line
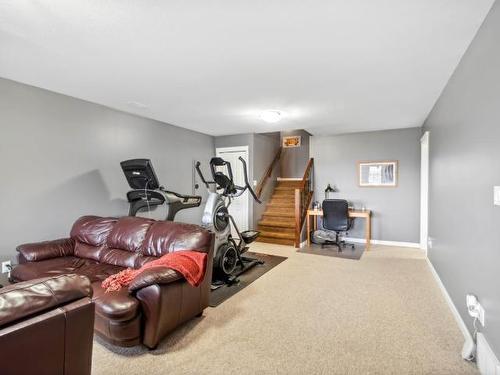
(332, 251)
(222, 293)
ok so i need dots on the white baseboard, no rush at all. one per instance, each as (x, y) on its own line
(453, 308)
(387, 243)
(487, 362)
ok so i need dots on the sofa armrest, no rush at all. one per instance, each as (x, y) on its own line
(24, 299)
(34, 252)
(158, 275)
(167, 306)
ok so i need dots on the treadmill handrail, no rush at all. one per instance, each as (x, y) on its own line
(207, 183)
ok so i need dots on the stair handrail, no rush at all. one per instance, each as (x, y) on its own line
(303, 197)
(307, 172)
(263, 182)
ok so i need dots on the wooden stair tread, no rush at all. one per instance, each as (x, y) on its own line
(285, 235)
(279, 224)
(285, 188)
(274, 209)
(282, 200)
(278, 214)
(283, 204)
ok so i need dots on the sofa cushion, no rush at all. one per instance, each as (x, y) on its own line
(128, 233)
(98, 271)
(84, 250)
(47, 268)
(119, 257)
(167, 236)
(58, 266)
(117, 306)
(92, 230)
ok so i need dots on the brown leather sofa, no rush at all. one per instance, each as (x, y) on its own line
(46, 326)
(156, 302)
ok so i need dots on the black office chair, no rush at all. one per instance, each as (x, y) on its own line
(336, 219)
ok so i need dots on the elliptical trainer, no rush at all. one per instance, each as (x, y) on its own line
(147, 192)
(229, 262)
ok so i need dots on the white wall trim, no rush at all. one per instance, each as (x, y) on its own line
(289, 179)
(424, 190)
(387, 243)
(453, 308)
(233, 149)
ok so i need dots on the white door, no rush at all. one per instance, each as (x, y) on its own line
(239, 208)
(424, 190)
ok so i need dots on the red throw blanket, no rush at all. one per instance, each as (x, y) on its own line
(190, 264)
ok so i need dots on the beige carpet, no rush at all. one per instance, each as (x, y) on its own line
(383, 314)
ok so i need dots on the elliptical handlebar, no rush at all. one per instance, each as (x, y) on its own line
(236, 190)
(247, 184)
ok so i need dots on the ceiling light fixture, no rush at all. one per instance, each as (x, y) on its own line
(271, 116)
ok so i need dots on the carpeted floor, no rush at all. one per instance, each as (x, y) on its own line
(332, 251)
(313, 314)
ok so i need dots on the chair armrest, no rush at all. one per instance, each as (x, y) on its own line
(35, 252)
(158, 275)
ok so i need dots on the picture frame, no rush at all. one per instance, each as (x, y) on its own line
(378, 173)
(292, 141)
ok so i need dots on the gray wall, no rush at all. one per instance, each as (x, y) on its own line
(396, 211)
(60, 160)
(464, 166)
(294, 159)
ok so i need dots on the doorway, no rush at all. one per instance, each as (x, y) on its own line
(239, 207)
(424, 191)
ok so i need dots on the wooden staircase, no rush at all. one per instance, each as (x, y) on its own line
(283, 220)
(277, 224)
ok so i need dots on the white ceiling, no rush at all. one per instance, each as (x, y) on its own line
(333, 66)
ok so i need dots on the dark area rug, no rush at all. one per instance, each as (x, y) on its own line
(224, 292)
(332, 251)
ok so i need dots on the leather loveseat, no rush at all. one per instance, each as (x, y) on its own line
(46, 326)
(156, 302)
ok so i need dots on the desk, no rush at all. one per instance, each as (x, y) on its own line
(352, 213)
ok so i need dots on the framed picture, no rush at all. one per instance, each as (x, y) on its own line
(291, 141)
(378, 173)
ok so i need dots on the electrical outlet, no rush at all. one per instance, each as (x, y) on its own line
(6, 266)
(474, 308)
